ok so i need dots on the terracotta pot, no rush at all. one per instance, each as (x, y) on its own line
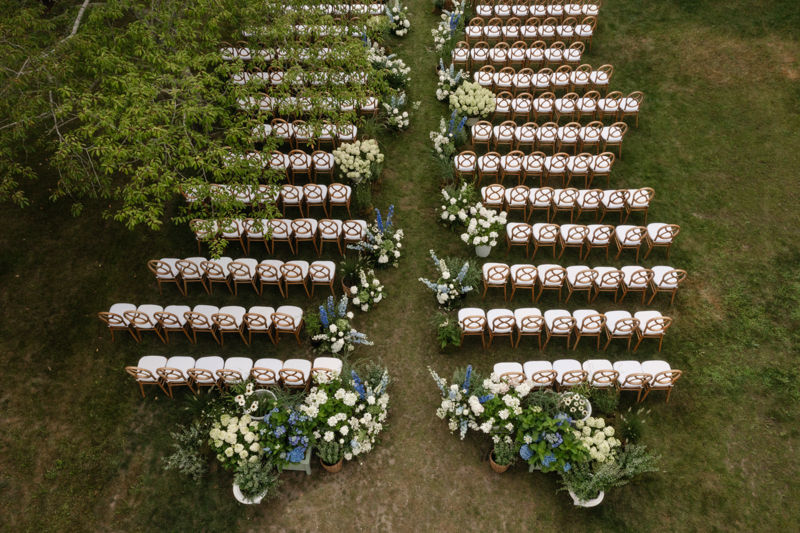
(332, 468)
(496, 467)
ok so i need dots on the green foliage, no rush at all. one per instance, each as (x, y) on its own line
(187, 458)
(546, 400)
(632, 424)
(312, 321)
(350, 266)
(447, 331)
(330, 452)
(257, 478)
(586, 481)
(604, 400)
(505, 453)
(531, 424)
(364, 195)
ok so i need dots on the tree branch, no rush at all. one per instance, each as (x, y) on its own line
(78, 20)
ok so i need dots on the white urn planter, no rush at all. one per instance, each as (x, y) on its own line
(587, 503)
(483, 251)
(588, 407)
(241, 498)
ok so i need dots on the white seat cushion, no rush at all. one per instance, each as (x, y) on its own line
(182, 363)
(276, 365)
(626, 368)
(654, 367)
(237, 312)
(522, 282)
(331, 363)
(503, 368)
(531, 367)
(612, 317)
(500, 328)
(521, 314)
(151, 363)
(551, 315)
(212, 364)
(562, 366)
(266, 312)
(579, 315)
(470, 311)
(652, 231)
(643, 317)
(572, 276)
(295, 312)
(658, 277)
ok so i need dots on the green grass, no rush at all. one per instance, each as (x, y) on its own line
(717, 140)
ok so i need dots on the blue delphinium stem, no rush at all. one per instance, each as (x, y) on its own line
(379, 219)
(389, 216)
(467, 378)
(323, 316)
(343, 307)
(358, 385)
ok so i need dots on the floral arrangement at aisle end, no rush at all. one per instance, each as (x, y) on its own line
(381, 244)
(368, 291)
(396, 117)
(449, 289)
(447, 331)
(397, 73)
(458, 204)
(349, 413)
(345, 414)
(398, 18)
(451, 134)
(484, 226)
(337, 336)
(532, 425)
(360, 160)
(450, 28)
(449, 81)
(472, 100)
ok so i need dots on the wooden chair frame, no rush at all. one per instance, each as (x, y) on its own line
(500, 322)
(641, 277)
(226, 323)
(201, 377)
(598, 320)
(519, 231)
(664, 380)
(326, 235)
(282, 320)
(584, 276)
(174, 377)
(254, 323)
(627, 327)
(339, 195)
(294, 272)
(215, 274)
(572, 378)
(138, 320)
(159, 269)
(467, 331)
(542, 240)
(319, 274)
(654, 328)
(138, 373)
(495, 274)
(598, 234)
(599, 283)
(676, 276)
(562, 328)
(543, 379)
(637, 382)
(287, 232)
(670, 230)
(552, 276)
(240, 273)
(526, 273)
(171, 322)
(630, 235)
(116, 322)
(533, 321)
(200, 323)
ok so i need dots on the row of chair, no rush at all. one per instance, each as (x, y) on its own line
(353, 9)
(294, 164)
(247, 52)
(303, 106)
(564, 78)
(204, 319)
(519, 54)
(510, 29)
(561, 323)
(243, 271)
(299, 133)
(544, 235)
(275, 230)
(276, 76)
(534, 165)
(564, 374)
(312, 30)
(582, 278)
(213, 371)
(597, 201)
(557, 9)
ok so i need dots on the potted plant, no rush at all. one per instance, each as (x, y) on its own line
(457, 204)
(336, 335)
(313, 325)
(254, 481)
(449, 81)
(447, 331)
(331, 455)
(588, 482)
(449, 135)
(548, 441)
(349, 270)
(451, 288)
(575, 405)
(503, 454)
(381, 244)
(484, 227)
(398, 18)
(368, 291)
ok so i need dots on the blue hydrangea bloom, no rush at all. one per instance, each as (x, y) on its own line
(279, 432)
(525, 452)
(567, 467)
(296, 455)
(549, 458)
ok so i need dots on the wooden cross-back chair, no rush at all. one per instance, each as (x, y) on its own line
(488, 166)
(340, 195)
(204, 378)
(321, 275)
(215, 273)
(639, 201)
(200, 323)
(607, 281)
(502, 326)
(305, 230)
(533, 167)
(226, 323)
(636, 382)
(543, 379)
(583, 282)
(564, 200)
(668, 282)
(572, 378)
(513, 378)
(518, 235)
(242, 272)
(639, 282)
(529, 326)
(285, 323)
(293, 378)
(663, 381)
(140, 322)
(330, 231)
(623, 329)
(257, 323)
(174, 377)
(496, 276)
(654, 328)
(524, 277)
(471, 326)
(517, 199)
(116, 322)
(144, 377)
(551, 279)
(574, 238)
(665, 236)
(590, 326)
(604, 378)
(562, 327)
(163, 272)
(280, 231)
(315, 196)
(544, 236)
(580, 166)
(493, 196)
(631, 239)
(293, 274)
(171, 322)
(600, 236)
(265, 377)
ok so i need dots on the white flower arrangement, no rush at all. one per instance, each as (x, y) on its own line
(598, 439)
(449, 81)
(460, 408)
(360, 160)
(235, 439)
(382, 242)
(484, 226)
(472, 100)
(450, 133)
(448, 28)
(337, 336)
(397, 73)
(398, 18)
(449, 287)
(397, 118)
(458, 204)
(368, 291)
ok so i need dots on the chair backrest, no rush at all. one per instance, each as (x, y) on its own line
(521, 232)
(584, 277)
(490, 162)
(292, 272)
(113, 320)
(264, 375)
(213, 270)
(666, 378)
(532, 22)
(657, 326)
(519, 194)
(501, 323)
(525, 274)
(313, 193)
(543, 195)
(256, 321)
(291, 193)
(198, 321)
(512, 378)
(603, 233)
(635, 235)
(486, 74)
(616, 132)
(566, 196)
(240, 271)
(203, 376)
(292, 377)
(673, 277)
(554, 276)
(138, 319)
(279, 226)
(562, 325)
(544, 378)
(641, 196)
(352, 230)
(519, 46)
(473, 323)
(480, 51)
(160, 269)
(338, 193)
(299, 159)
(167, 320)
(558, 45)
(284, 322)
(224, 321)
(592, 322)
(591, 200)
(611, 278)
(626, 326)
(641, 277)
(506, 130)
(494, 194)
(329, 230)
(467, 158)
(527, 135)
(636, 381)
(547, 232)
(320, 273)
(141, 374)
(483, 129)
(173, 375)
(574, 377)
(668, 232)
(497, 273)
(576, 48)
(303, 226)
(230, 376)
(604, 377)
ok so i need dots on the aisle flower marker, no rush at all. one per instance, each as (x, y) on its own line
(449, 290)
(338, 336)
(398, 18)
(381, 244)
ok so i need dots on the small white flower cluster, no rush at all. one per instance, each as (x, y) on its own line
(449, 81)
(238, 435)
(505, 405)
(396, 117)
(472, 100)
(368, 291)
(447, 29)
(449, 287)
(398, 19)
(398, 72)
(458, 207)
(598, 438)
(443, 142)
(358, 160)
(484, 226)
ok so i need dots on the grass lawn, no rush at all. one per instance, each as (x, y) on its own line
(718, 140)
